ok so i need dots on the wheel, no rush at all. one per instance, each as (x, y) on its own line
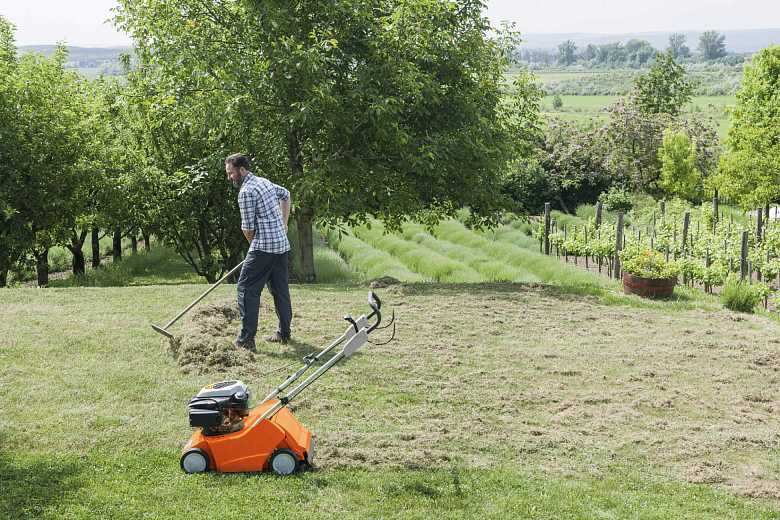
(283, 462)
(194, 461)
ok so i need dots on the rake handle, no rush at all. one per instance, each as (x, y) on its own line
(190, 306)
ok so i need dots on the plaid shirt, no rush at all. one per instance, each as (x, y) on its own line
(258, 201)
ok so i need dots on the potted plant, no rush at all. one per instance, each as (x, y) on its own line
(647, 273)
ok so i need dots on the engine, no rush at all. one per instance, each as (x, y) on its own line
(220, 407)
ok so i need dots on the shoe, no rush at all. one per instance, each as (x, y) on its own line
(249, 345)
(277, 338)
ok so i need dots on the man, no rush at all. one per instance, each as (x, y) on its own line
(265, 208)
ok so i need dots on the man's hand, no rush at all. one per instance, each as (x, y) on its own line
(249, 234)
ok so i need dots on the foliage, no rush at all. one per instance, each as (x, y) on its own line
(664, 89)
(679, 175)
(712, 45)
(528, 187)
(359, 108)
(647, 263)
(634, 137)
(573, 159)
(749, 171)
(557, 102)
(616, 199)
(44, 153)
(741, 296)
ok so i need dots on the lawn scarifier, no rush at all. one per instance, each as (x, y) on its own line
(274, 439)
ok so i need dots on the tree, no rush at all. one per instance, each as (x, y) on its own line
(677, 47)
(15, 233)
(749, 171)
(639, 52)
(712, 45)
(383, 108)
(633, 137)
(679, 175)
(589, 52)
(567, 53)
(51, 151)
(573, 159)
(664, 89)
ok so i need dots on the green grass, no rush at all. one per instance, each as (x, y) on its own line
(480, 409)
(371, 262)
(492, 269)
(419, 258)
(146, 484)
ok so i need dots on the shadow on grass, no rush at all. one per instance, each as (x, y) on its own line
(31, 485)
(294, 349)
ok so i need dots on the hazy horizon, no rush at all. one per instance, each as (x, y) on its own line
(84, 23)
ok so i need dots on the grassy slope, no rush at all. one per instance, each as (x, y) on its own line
(456, 419)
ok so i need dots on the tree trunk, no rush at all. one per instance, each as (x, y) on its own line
(3, 277)
(304, 218)
(147, 241)
(79, 262)
(76, 248)
(95, 247)
(304, 215)
(134, 243)
(117, 244)
(42, 267)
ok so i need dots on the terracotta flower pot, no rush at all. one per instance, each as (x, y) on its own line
(648, 287)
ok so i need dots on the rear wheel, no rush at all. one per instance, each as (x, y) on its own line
(283, 462)
(194, 461)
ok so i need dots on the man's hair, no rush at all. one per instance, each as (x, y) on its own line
(237, 160)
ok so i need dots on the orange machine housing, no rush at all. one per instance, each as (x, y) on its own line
(249, 448)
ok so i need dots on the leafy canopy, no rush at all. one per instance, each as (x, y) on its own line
(749, 171)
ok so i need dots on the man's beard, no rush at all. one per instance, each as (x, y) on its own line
(239, 182)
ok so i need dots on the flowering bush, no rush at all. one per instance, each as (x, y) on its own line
(648, 263)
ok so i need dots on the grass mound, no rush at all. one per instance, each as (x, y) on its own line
(206, 342)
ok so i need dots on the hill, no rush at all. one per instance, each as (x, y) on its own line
(90, 61)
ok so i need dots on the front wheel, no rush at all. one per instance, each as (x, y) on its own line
(194, 461)
(283, 462)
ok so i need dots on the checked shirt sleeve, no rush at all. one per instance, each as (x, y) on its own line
(282, 193)
(247, 202)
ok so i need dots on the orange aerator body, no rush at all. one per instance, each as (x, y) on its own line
(231, 437)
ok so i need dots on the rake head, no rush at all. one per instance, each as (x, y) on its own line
(163, 332)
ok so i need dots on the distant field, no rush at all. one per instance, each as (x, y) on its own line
(589, 108)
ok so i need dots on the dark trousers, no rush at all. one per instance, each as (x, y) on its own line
(261, 268)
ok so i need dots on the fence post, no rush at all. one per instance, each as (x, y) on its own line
(598, 213)
(686, 224)
(759, 224)
(714, 212)
(743, 256)
(546, 228)
(618, 244)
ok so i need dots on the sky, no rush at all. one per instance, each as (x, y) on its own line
(83, 22)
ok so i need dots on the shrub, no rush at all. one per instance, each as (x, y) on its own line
(616, 199)
(557, 102)
(648, 263)
(741, 296)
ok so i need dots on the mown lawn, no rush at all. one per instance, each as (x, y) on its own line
(497, 401)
